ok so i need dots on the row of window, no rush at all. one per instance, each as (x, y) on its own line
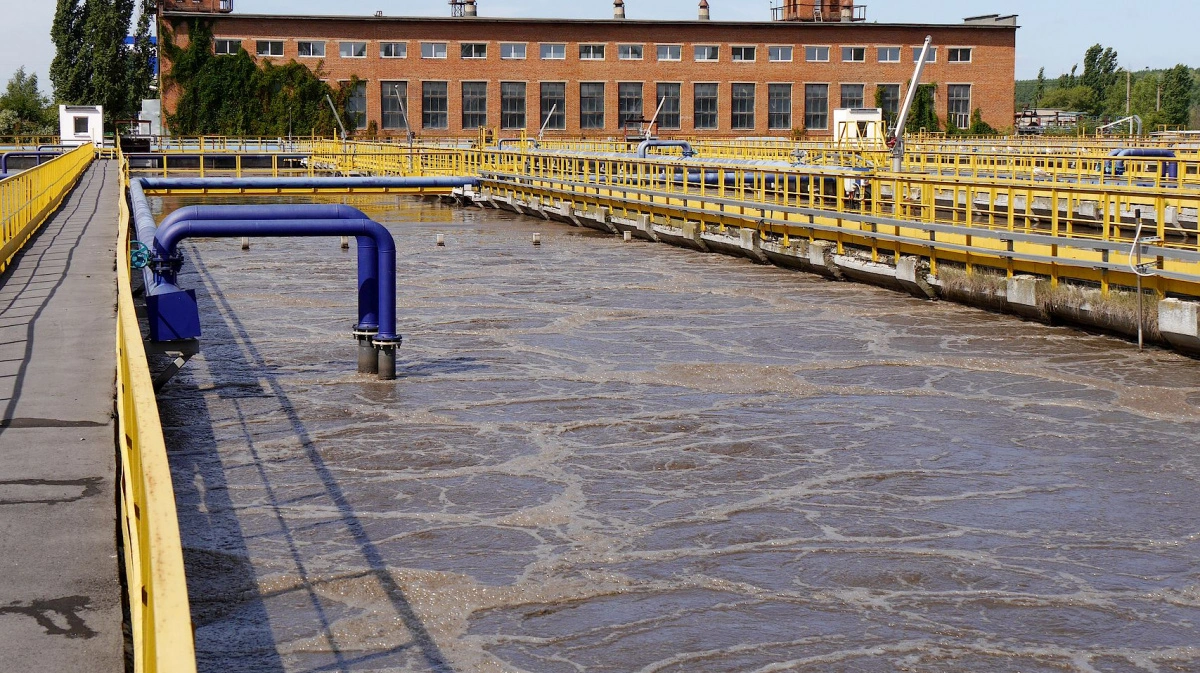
(435, 104)
(703, 53)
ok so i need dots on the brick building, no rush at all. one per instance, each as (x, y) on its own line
(449, 76)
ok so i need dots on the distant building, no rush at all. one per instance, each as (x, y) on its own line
(449, 76)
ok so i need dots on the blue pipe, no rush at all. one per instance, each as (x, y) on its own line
(647, 144)
(64, 148)
(168, 237)
(38, 155)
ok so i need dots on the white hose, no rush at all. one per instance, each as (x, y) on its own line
(1137, 236)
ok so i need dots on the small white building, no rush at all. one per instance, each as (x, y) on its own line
(858, 124)
(80, 124)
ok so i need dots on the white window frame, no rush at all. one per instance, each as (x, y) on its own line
(591, 47)
(735, 48)
(235, 41)
(828, 51)
(950, 51)
(351, 43)
(258, 51)
(433, 52)
(310, 43)
(791, 53)
(403, 48)
(715, 59)
(542, 51)
(621, 52)
(932, 54)
(964, 117)
(658, 52)
(511, 47)
(472, 45)
(846, 60)
(899, 51)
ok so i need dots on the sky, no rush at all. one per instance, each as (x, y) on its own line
(1054, 33)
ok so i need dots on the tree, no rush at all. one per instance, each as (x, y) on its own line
(139, 73)
(105, 29)
(23, 98)
(92, 65)
(1041, 87)
(1177, 88)
(1073, 99)
(980, 127)
(70, 72)
(924, 111)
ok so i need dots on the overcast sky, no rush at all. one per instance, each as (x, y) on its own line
(1054, 33)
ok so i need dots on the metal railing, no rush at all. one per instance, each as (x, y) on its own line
(29, 197)
(160, 616)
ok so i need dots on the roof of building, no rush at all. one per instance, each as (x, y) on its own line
(662, 23)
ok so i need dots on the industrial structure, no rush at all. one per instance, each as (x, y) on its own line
(591, 78)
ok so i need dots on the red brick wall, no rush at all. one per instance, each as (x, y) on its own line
(991, 72)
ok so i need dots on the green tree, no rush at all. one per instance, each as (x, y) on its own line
(1041, 87)
(1177, 93)
(28, 105)
(924, 110)
(92, 65)
(1100, 67)
(70, 72)
(980, 127)
(105, 29)
(139, 75)
(1073, 99)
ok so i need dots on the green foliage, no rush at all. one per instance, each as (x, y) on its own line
(29, 109)
(980, 127)
(924, 111)
(1074, 99)
(234, 95)
(1040, 90)
(1100, 72)
(92, 65)
(1178, 90)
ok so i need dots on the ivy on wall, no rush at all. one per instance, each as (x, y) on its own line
(234, 95)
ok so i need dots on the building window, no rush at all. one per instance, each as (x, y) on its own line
(816, 106)
(742, 54)
(854, 54)
(704, 106)
(852, 95)
(311, 49)
(670, 52)
(433, 50)
(268, 48)
(629, 52)
(960, 55)
(591, 105)
(932, 54)
(512, 51)
(667, 104)
(554, 52)
(512, 105)
(591, 52)
(779, 54)
(474, 105)
(356, 106)
(474, 50)
(959, 100)
(742, 112)
(352, 49)
(629, 102)
(889, 101)
(816, 54)
(779, 106)
(394, 105)
(434, 105)
(708, 52)
(554, 105)
(889, 54)
(393, 50)
(226, 47)
(81, 125)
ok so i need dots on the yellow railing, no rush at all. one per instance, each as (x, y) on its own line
(29, 197)
(158, 601)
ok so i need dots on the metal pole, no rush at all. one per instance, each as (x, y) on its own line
(1137, 214)
(898, 147)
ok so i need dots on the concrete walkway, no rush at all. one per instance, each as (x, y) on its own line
(60, 596)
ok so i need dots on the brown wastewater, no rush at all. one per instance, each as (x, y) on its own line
(627, 457)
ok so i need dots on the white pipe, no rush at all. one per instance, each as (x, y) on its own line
(898, 148)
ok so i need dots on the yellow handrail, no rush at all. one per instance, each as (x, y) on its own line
(158, 600)
(29, 197)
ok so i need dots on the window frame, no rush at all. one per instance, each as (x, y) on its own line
(591, 47)
(899, 99)
(841, 97)
(512, 46)
(825, 112)
(791, 53)
(227, 41)
(464, 47)
(542, 51)
(403, 111)
(658, 52)
(623, 116)
(641, 47)
(696, 53)
(300, 52)
(735, 114)
(425, 110)
(735, 48)
(771, 115)
(474, 112)
(505, 114)
(932, 50)
(879, 53)
(434, 52)
(678, 103)
(352, 43)
(716, 108)
(394, 44)
(592, 113)
(851, 50)
(259, 52)
(828, 53)
(360, 85)
(544, 112)
(964, 117)
(951, 51)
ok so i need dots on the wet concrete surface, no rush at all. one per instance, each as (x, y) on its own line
(607, 456)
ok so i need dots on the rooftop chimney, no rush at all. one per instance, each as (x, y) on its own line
(471, 11)
(704, 10)
(618, 9)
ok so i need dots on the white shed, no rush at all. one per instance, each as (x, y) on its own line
(79, 124)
